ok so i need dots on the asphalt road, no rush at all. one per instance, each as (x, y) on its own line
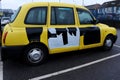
(92, 64)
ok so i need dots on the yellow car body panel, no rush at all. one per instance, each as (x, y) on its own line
(18, 36)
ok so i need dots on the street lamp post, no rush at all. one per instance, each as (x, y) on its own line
(83, 2)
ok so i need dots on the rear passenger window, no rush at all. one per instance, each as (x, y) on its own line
(62, 16)
(85, 17)
(37, 16)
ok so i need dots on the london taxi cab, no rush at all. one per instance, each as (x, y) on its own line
(38, 29)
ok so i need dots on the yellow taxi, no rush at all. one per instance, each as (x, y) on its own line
(38, 29)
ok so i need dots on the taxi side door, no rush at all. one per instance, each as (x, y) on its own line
(63, 32)
(90, 31)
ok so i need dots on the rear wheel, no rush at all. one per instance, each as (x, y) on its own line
(35, 54)
(108, 43)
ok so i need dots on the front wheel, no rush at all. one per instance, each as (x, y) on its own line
(108, 43)
(35, 54)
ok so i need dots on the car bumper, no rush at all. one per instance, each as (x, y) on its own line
(11, 52)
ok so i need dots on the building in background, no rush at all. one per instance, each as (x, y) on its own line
(107, 11)
(93, 8)
(7, 12)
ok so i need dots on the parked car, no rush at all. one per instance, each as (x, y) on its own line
(4, 21)
(39, 29)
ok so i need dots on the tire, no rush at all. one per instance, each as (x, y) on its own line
(35, 54)
(108, 43)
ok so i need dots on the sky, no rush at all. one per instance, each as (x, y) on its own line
(14, 4)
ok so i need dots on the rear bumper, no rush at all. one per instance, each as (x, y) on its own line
(11, 52)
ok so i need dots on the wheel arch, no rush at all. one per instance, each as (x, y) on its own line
(112, 36)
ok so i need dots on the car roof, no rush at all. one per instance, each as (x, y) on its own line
(34, 4)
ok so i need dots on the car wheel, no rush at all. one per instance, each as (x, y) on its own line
(108, 43)
(35, 54)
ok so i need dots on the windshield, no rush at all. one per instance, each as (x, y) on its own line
(15, 14)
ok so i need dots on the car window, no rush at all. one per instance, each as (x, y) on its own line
(62, 16)
(84, 17)
(15, 14)
(37, 16)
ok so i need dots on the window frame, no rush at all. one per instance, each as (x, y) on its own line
(87, 12)
(56, 15)
(36, 23)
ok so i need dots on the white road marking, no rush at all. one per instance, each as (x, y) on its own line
(1, 71)
(117, 46)
(74, 68)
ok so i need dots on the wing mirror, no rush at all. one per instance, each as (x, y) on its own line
(94, 21)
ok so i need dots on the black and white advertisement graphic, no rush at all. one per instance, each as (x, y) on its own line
(63, 37)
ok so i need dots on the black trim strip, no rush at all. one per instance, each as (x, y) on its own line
(91, 35)
(34, 33)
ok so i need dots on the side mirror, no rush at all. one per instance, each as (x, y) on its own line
(95, 21)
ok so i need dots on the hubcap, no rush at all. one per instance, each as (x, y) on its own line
(108, 43)
(35, 55)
